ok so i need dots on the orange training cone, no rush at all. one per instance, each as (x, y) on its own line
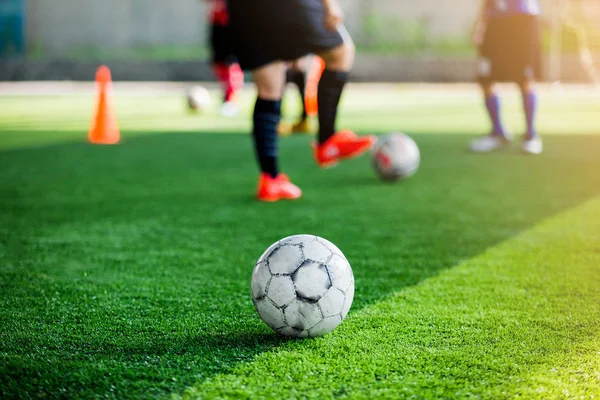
(104, 129)
(315, 70)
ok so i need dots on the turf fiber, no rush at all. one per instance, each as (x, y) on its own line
(518, 321)
(124, 270)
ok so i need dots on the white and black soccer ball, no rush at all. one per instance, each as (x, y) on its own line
(198, 99)
(396, 156)
(302, 286)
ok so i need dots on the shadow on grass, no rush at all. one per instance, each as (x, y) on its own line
(125, 269)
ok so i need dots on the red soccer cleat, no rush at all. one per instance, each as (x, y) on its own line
(341, 146)
(274, 189)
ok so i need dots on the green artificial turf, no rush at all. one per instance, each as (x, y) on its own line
(439, 109)
(124, 270)
(518, 321)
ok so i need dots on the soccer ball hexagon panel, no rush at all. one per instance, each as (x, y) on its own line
(302, 286)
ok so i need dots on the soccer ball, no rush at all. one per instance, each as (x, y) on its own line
(302, 286)
(198, 99)
(396, 156)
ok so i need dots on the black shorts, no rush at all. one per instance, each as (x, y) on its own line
(264, 31)
(220, 44)
(511, 50)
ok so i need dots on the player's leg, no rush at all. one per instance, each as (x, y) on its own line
(338, 63)
(270, 82)
(232, 79)
(226, 68)
(304, 72)
(576, 21)
(531, 69)
(255, 46)
(332, 145)
(532, 143)
(587, 62)
(494, 65)
(492, 106)
(218, 56)
(297, 75)
(498, 136)
(529, 96)
(315, 68)
(585, 55)
(284, 128)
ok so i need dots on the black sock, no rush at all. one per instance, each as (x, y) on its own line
(331, 86)
(266, 118)
(297, 77)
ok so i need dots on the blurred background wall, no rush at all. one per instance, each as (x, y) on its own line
(62, 27)
(396, 39)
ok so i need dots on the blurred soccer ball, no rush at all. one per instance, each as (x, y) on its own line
(396, 156)
(198, 99)
(302, 286)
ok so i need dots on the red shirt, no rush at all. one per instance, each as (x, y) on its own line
(218, 12)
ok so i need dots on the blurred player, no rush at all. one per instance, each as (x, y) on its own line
(296, 74)
(574, 19)
(305, 73)
(225, 65)
(268, 32)
(508, 35)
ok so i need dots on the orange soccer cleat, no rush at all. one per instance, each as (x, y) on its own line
(341, 146)
(274, 189)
